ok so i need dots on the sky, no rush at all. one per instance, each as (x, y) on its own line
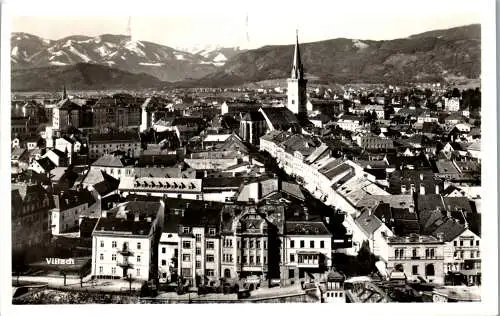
(230, 25)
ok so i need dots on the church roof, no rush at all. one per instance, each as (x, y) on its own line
(280, 117)
(297, 68)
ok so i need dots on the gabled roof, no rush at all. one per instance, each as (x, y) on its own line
(233, 142)
(226, 182)
(46, 164)
(207, 217)
(281, 118)
(429, 220)
(253, 116)
(102, 182)
(368, 223)
(292, 189)
(450, 230)
(457, 203)
(66, 104)
(72, 198)
(116, 161)
(306, 228)
(430, 202)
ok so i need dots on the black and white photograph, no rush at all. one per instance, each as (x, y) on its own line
(306, 152)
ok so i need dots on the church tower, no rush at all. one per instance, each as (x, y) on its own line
(296, 94)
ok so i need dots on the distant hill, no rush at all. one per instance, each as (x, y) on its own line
(116, 51)
(451, 54)
(83, 76)
(429, 56)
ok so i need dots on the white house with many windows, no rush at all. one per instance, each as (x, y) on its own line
(461, 251)
(124, 244)
(308, 249)
(417, 256)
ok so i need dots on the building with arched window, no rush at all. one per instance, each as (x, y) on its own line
(417, 256)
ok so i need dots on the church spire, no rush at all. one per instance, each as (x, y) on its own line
(297, 68)
(65, 95)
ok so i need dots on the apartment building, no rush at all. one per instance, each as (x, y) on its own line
(101, 144)
(117, 165)
(168, 251)
(374, 142)
(418, 256)
(251, 238)
(64, 114)
(125, 241)
(199, 245)
(30, 209)
(308, 249)
(69, 207)
(462, 251)
(350, 122)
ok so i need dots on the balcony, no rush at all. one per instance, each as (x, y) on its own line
(125, 251)
(124, 264)
(309, 259)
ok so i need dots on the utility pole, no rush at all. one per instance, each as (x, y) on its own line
(130, 283)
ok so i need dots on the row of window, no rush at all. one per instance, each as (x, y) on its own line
(463, 266)
(251, 260)
(471, 243)
(113, 257)
(188, 230)
(125, 244)
(399, 253)
(227, 257)
(187, 258)
(311, 244)
(111, 146)
(250, 244)
(113, 271)
(334, 294)
(473, 254)
(187, 245)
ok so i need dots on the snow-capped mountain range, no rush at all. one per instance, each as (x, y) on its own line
(117, 51)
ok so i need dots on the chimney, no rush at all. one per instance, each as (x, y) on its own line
(440, 236)
(422, 189)
(437, 189)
